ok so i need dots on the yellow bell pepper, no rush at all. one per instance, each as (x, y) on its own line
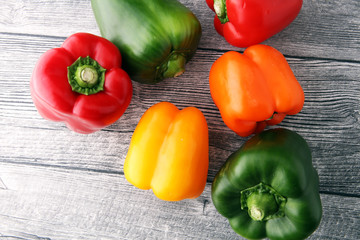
(169, 152)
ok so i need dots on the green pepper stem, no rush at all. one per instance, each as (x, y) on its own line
(220, 10)
(261, 205)
(263, 202)
(173, 66)
(86, 76)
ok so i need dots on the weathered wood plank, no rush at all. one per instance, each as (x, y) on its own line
(50, 203)
(329, 119)
(323, 29)
(56, 184)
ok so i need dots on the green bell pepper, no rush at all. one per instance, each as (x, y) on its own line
(269, 188)
(156, 38)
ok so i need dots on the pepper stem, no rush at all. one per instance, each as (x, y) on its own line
(175, 66)
(261, 205)
(220, 10)
(86, 76)
(263, 202)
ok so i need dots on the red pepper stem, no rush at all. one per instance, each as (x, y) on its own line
(86, 76)
(220, 10)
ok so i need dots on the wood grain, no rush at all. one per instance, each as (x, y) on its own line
(323, 29)
(59, 204)
(57, 184)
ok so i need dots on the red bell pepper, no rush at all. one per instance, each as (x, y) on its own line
(248, 22)
(81, 83)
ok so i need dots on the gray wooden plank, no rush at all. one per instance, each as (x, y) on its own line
(329, 120)
(50, 203)
(323, 29)
(56, 184)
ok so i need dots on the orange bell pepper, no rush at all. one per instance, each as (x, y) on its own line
(169, 152)
(254, 89)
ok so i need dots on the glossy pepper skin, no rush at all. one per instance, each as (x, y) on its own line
(254, 89)
(269, 188)
(81, 83)
(169, 152)
(156, 38)
(248, 22)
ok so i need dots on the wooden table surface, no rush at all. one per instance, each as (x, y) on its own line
(57, 184)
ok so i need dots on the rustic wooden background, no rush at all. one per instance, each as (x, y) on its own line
(57, 184)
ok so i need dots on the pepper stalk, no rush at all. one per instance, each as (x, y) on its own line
(220, 10)
(86, 76)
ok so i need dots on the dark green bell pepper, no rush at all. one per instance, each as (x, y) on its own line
(155, 37)
(269, 188)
